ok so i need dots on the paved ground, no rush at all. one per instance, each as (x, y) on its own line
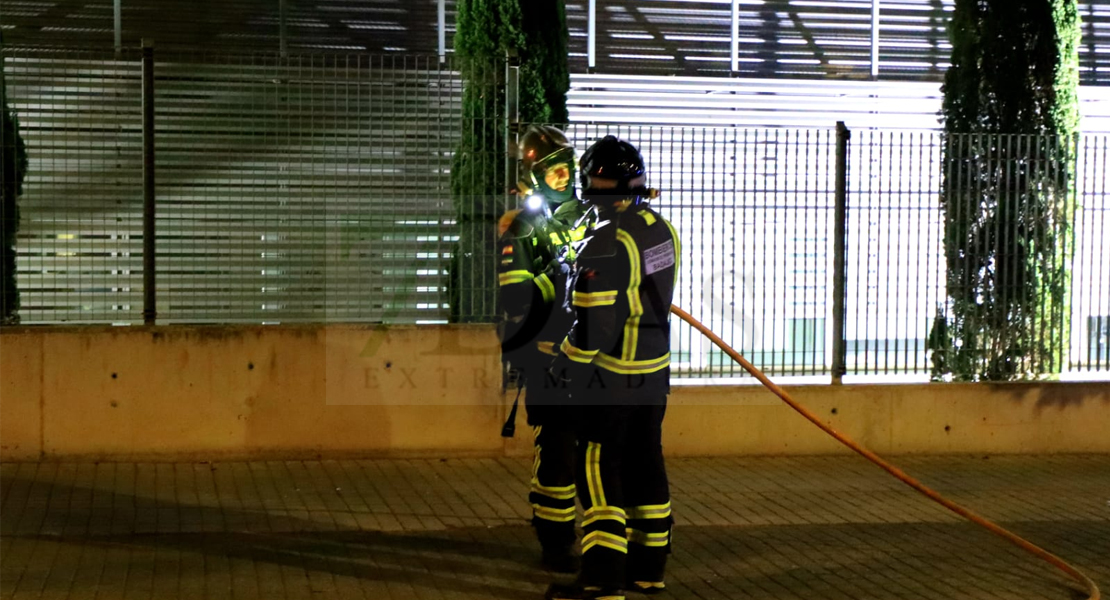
(452, 529)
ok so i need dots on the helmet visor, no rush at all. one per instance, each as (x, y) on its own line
(554, 176)
(557, 176)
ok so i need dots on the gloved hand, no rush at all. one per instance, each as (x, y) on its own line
(567, 254)
(556, 269)
(559, 371)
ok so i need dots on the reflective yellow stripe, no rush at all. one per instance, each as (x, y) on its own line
(650, 511)
(677, 250)
(557, 492)
(546, 287)
(601, 513)
(635, 308)
(577, 354)
(648, 217)
(511, 277)
(651, 540)
(536, 454)
(578, 233)
(561, 515)
(589, 299)
(593, 474)
(604, 539)
(632, 367)
(547, 348)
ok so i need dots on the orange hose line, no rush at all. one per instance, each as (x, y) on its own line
(1026, 545)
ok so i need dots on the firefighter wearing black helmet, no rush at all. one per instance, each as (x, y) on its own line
(616, 362)
(537, 247)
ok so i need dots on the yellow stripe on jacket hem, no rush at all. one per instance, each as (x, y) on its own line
(632, 367)
(511, 277)
(577, 354)
(591, 299)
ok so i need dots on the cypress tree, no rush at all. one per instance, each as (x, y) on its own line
(13, 162)
(534, 33)
(1008, 201)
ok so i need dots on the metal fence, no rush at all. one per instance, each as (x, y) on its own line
(756, 209)
(308, 188)
(317, 189)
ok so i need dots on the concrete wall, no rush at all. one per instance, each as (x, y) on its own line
(187, 393)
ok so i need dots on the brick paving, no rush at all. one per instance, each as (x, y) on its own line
(789, 528)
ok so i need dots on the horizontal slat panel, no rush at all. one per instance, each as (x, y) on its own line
(778, 103)
(776, 38)
(321, 180)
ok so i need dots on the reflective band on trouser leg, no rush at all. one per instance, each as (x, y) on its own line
(651, 511)
(552, 503)
(604, 539)
(600, 513)
(604, 542)
(557, 515)
(553, 490)
(649, 543)
(658, 539)
(593, 475)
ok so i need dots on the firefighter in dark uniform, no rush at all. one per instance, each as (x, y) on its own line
(616, 362)
(537, 247)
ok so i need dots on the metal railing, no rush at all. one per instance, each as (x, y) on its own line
(757, 211)
(318, 189)
(305, 188)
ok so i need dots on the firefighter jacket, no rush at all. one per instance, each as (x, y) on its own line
(535, 250)
(622, 292)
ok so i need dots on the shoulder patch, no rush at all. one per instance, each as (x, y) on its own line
(659, 257)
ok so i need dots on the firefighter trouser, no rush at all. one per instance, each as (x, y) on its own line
(553, 427)
(623, 488)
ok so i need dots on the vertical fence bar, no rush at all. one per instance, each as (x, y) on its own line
(1103, 284)
(1068, 251)
(441, 29)
(734, 38)
(283, 45)
(874, 39)
(839, 364)
(117, 25)
(512, 124)
(149, 300)
(591, 37)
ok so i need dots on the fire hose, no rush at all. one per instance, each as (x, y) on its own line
(1059, 563)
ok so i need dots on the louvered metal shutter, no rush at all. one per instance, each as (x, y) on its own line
(303, 189)
(777, 38)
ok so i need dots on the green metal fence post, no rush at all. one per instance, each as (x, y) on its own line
(149, 301)
(840, 231)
